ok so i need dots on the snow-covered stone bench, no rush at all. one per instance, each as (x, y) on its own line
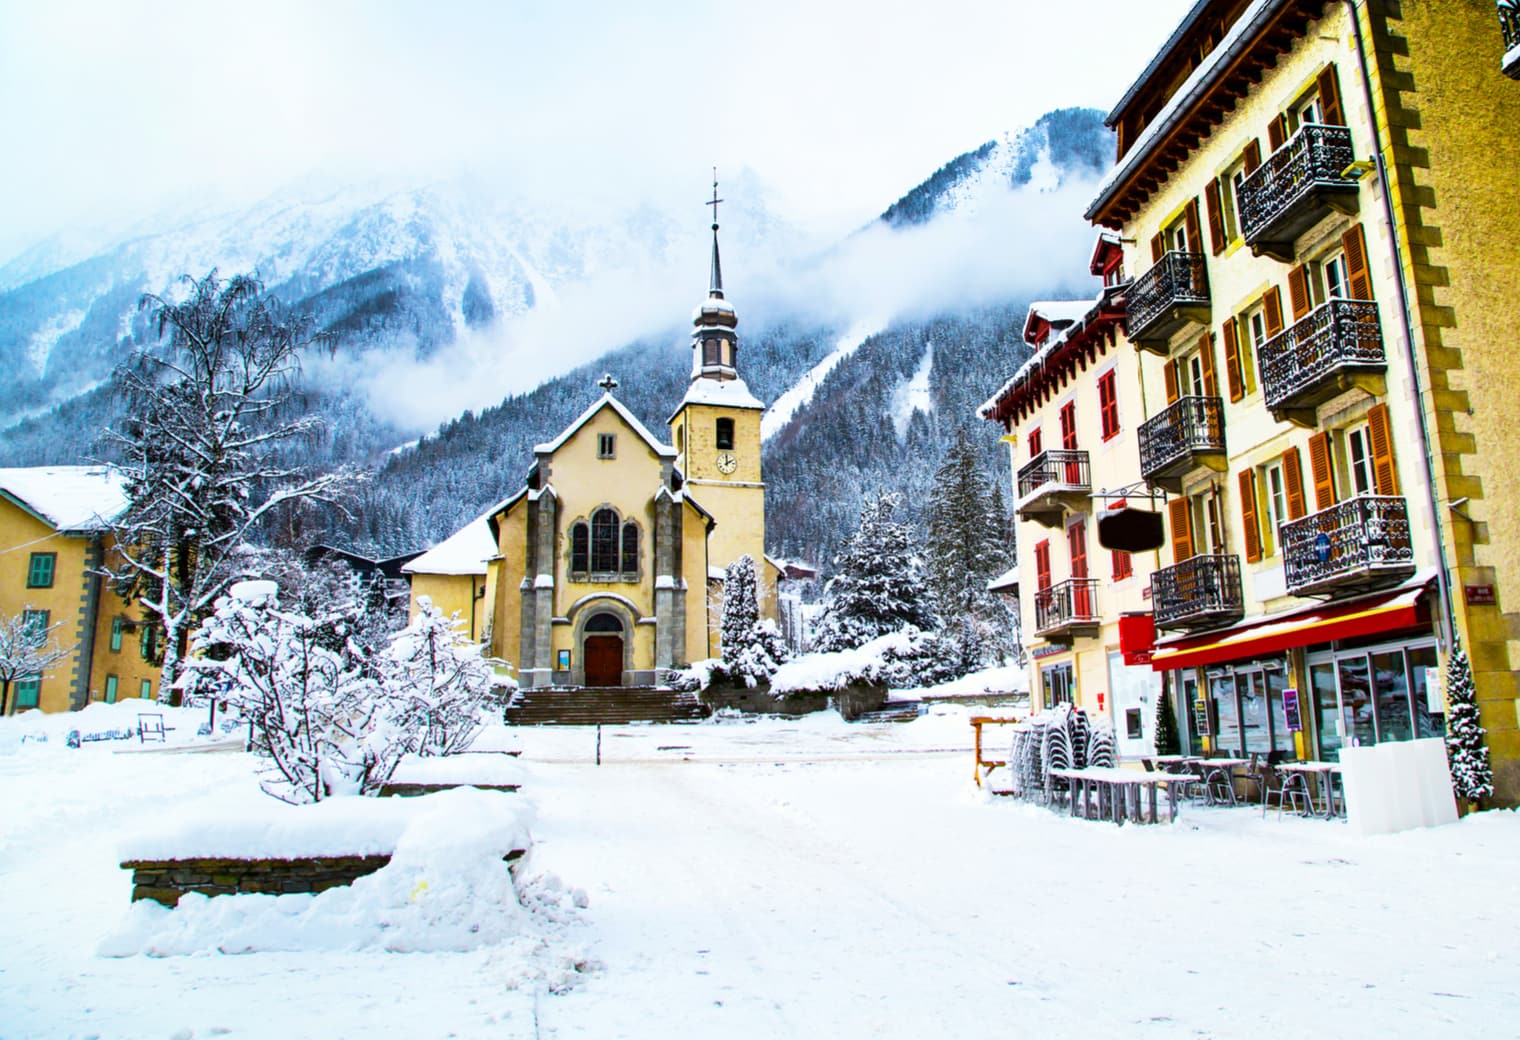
(416, 775)
(270, 848)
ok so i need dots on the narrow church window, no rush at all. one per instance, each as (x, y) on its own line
(604, 541)
(630, 549)
(580, 547)
(606, 445)
(710, 352)
(725, 434)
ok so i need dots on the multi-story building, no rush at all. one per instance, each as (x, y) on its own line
(1318, 200)
(54, 537)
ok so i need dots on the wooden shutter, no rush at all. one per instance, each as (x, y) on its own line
(1321, 472)
(1357, 275)
(1034, 442)
(1216, 216)
(1206, 355)
(1181, 518)
(1248, 515)
(1293, 479)
(1232, 370)
(1194, 230)
(1385, 475)
(1171, 381)
(1042, 564)
(1330, 98)
(1271, 305)
(1069, 426)
(1157, 248)
(1076, 539)
(1277, 132)
(1252, 156)
(1298, 290)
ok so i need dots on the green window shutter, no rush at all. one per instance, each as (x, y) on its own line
(111, 683)
(118, 626)
(28, 693)
(36, 623)
(39, 574)
(146, 692)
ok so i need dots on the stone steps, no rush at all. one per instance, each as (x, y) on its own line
(605, 706)
(897, 711)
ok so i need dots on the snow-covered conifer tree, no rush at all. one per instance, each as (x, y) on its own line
(1167, 740)
(879, 585)
(752, 646)
(1472, 777)
(439, 684)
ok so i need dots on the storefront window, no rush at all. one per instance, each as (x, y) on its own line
(1393, 717)
(1185, 709)
(1326, 711)
(1254, 721)
(1227, 732)
(1356, 701)
(1282, 736)
(1427, 723)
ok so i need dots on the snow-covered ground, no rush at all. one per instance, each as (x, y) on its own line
(793, 878)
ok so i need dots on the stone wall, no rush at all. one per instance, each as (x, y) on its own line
(851, 702)
(165, 881)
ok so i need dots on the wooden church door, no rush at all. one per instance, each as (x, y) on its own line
(604, 660)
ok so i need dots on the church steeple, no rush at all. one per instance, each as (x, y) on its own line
(715, 345)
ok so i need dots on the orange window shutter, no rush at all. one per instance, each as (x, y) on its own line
(1171, 381)
(1330, 98)
(1157, 248)
(1271, 305)
(1206, 355)
(1216, 216)
(1298, 291)
(1380, 432)
(1277, 132)
(1357, 274)
(1232, 371)
(1194, 231)
(1248, 515)
(1321, 472)
(1252, 156)
(1181, 520)
(1293, 477)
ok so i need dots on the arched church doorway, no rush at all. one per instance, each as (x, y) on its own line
(603, 650)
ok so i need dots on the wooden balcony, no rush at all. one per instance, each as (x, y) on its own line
(1203, 592)
(1170, 296)
(1336, 346)
(1067, 611)
(1295, 188)
(1052, 484)
(1354, 546)
(1188, 434)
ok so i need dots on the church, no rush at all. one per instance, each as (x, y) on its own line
(609, 561)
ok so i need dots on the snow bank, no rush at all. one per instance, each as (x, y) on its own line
(445, 888)
(1008, 679)
(835, 671)
(494, 770)
(113, 725)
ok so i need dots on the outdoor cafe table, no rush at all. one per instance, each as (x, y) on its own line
(1321, 771)
(1114, 788)
(1224, 768)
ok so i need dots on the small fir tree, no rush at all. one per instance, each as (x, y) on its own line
(1472, 778)
(879, 586)
(752, 646)
(1168, 741)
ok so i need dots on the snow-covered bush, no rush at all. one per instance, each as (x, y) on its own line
(752, 646)
(438, 684)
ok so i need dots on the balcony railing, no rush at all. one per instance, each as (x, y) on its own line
(1171, 294)
(1335, 346)
(1067, 610)
(1052, 482)
(1188, 433)
(1197, 593)
(1295, 187)
(1509, 26)
(1355, 545)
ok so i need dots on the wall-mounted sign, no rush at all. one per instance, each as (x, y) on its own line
(1435, 692)
(1479, 595)
(1322, 547)
(1290, 709)
(1201, 717)
(564, 660)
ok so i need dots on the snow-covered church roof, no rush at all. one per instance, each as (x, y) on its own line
(726, 393)
(70, 498)
(463, 552)
(608, 401)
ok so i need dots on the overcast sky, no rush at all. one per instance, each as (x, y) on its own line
(113, 109)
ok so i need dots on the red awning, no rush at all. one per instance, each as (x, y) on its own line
(1385, 612)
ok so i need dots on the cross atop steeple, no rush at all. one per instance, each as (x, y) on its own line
(715, 286)
(715, 199)
(608, 383)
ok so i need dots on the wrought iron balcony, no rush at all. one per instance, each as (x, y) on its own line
(1067, 610)
(1172, 294)
(1053, 483)
(1198, 593)
(1356, 545)
(1295, 188)
(1509, 26)
(1334, 347)
(1190, 433)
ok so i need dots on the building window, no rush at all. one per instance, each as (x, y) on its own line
(146, 643)
(604, 541)
(725, 434)
(1277, 505)
(631, 550)
(39, 574)
(606, 445)
(118, 627)
(1204, 508)
(1108, 404)
(580, 547)
(1234, 177)
(1337, 282)
(145, 691)
(111, 686)
(28, 693)
(1359, 461)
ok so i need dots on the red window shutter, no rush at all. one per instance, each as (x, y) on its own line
(1252, 156)
(1108, 403)
(1277, 132)
(1034, 442)
(1206, 355)
(1298, 290)
(1216, 216)
(1330, 98)
(1320, 471)
(1232, 369)
(1357, 274)
(1076, 538)
(1042, 564)
(1180, 518)
(1380, 432)
(1248, 515)
(1123, 566)
(1271, 305)
(1069, 426)
(1157, 248)
(1293, 478)
(1170, 371)
(1194, 231)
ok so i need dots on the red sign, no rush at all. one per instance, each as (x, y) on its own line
(1479, 595)
(1100, 700)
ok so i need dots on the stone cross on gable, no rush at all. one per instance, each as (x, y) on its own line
(608, 383)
